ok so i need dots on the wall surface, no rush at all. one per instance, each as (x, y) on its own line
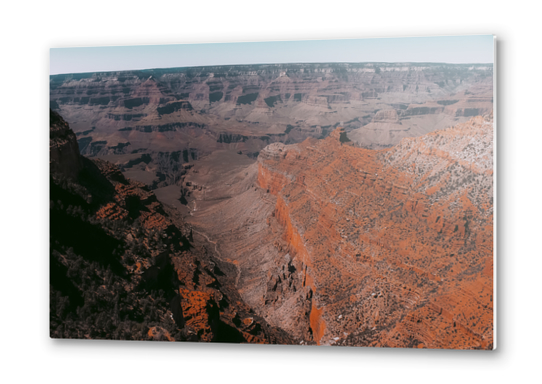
(31, 29)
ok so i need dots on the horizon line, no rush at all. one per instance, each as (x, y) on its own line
(463, 49)
(271, 63)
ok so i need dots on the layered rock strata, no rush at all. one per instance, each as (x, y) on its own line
(124, 266)
(345, 246)
(255, 105)
(397, 244)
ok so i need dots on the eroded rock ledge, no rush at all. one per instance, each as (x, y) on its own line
(393, 247)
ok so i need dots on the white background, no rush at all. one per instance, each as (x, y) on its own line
(29, 29)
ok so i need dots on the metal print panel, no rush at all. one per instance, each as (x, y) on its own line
(312, 193)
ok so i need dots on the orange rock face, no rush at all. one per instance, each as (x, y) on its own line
(194, 305)
(159, 334)
(396, 245)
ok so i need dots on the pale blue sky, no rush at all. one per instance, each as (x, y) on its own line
(439, 49)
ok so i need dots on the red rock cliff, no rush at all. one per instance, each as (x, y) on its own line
(398, 243)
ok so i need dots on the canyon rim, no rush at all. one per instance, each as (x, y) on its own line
(304, 203)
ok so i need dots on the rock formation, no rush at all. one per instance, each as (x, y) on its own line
(63, 150)
(346, 246)
(331, 204)
(123, 265)
(197, 111)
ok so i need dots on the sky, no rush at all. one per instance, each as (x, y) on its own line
(438, 49)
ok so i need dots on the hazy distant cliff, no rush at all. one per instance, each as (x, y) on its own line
(146, 110)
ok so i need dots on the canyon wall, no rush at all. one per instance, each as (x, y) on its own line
(251, 106)
(124, 266)
(340, 245)
(397, 244)
(347, 204)
(64, 157)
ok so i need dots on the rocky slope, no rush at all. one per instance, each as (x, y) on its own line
(295, 100)
(64, 153)
(346, 246)
(124, 266)
(192, 112)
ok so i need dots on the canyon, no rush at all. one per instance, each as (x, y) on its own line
(141, 120)
(341, 245)
(123, 265)
(310, 204)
